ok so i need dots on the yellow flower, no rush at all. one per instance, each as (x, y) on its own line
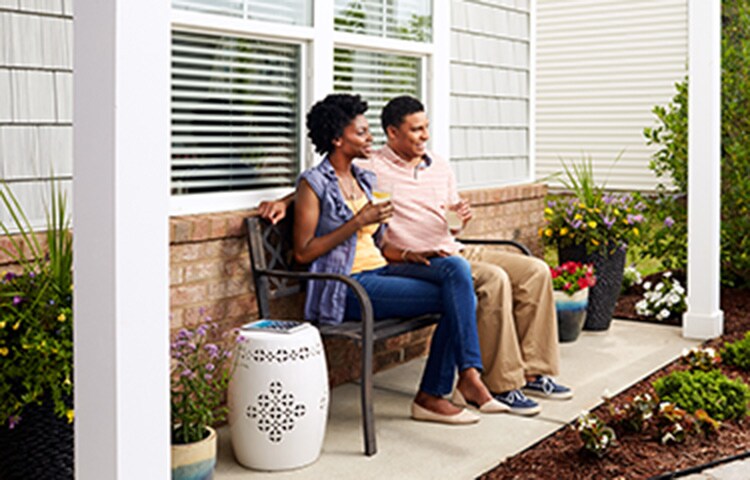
(563, 230)
(71, 415)
(592, 224)
(595, 242)
(598, 210)
(541, 231)
(578, 216)
(4, 352)
(625, 221)
(548, 232)
(2, 325)
(548, 211)
(16, 325)
(61, 317)
(67, 381)
(616, 212)
(635, 231)
(582, 205)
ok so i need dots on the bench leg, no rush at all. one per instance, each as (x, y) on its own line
(368, 417)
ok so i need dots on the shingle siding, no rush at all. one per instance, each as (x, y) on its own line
(490, 62)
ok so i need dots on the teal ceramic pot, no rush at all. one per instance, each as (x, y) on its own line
(571, 314)
(195, 461)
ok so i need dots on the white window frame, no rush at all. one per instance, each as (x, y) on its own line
(317, 43)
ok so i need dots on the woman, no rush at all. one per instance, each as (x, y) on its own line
(334, 229)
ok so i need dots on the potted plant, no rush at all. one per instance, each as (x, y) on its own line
(201, 369)
(593, 226)
(571, 282)
(36, 344)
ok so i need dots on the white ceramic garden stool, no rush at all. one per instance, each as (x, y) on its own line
(278, 397)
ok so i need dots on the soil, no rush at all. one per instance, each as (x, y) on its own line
(639, 456)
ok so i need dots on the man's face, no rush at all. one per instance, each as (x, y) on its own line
(409, 140)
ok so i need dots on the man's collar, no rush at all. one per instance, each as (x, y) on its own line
(393, 157)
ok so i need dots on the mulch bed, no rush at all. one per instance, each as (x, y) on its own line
(638, 456)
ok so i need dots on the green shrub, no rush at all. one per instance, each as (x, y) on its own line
(737, 353)
(670, 161)
(712, 391)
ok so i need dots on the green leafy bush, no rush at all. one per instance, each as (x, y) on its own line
(670, 161)
(737, 353)
(712, 391)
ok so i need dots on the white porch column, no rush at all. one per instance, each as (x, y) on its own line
(121, 243)
(438, 104)
(704, 318)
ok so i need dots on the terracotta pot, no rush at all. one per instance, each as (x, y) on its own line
(195, 461)
(571, 313)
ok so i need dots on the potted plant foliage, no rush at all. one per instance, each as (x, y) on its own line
(571, 282)
(592, 226)
(201, 369)
(36, 344)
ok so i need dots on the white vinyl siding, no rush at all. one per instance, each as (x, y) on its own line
(601, 68)
(235, 121)
(377, 77)
(490, 95)
(36, 117)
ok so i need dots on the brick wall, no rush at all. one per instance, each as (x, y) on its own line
(210, 270)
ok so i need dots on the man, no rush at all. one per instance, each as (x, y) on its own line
(515, 307)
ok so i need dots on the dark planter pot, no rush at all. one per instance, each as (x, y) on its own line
(608, 268)
(571, 314)
(39, 447)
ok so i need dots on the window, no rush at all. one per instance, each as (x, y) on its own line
(235, 105)
(293, 12)
(377, 77)
(244, 72)
(404, 19)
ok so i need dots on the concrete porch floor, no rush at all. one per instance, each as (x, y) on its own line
(611, 360)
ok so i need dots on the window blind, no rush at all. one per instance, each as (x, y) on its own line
(402, 19)
(235, 113)
(293, 12)
(377, 77)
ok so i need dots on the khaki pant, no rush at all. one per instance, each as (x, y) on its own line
(515, 317)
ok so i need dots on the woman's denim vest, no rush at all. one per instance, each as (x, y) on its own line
(326, 299)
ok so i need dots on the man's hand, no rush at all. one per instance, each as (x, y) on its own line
(422, 257)
(273, 211)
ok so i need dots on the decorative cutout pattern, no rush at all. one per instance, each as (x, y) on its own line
(276, 412)
(281, 355)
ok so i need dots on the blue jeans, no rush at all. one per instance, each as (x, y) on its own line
(409, 289)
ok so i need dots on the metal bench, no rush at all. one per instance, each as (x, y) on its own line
(276, 276)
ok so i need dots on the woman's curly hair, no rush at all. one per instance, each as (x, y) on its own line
(327, 119)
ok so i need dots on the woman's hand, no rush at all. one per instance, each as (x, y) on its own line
(374, 213)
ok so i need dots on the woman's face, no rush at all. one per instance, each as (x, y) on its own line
(356, 141)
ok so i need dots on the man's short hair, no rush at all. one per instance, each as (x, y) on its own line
(398, 108)
(328, 118)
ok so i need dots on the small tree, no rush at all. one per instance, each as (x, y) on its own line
(670, 161)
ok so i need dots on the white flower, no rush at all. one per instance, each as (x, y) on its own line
(647, 286)
(663, 314)
(668, 437)
(710, 351)
(667, 274)
(659, 286)
(606, 394)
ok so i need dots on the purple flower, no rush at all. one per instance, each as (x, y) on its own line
(201, 330)
(32, 274)
(635, 218)
(210, 367)
(51, 302)
(212, 349)
(208, 376)
(186, 373)
(608, 222)
(184, 334)
(17, 300)
(551, 203)
(9, 276)
(668, 222)
(640, 206)
(607, 199)
(13, 421)
(576, 224)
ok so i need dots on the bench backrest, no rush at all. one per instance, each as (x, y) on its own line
(271, 248)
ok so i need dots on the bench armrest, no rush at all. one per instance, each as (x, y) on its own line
(491, 241)
(365, 305)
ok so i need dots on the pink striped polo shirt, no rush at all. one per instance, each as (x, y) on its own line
(418, 221)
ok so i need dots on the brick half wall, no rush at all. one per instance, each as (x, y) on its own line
(210, 270)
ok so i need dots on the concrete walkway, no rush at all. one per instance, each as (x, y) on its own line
(596, 362)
